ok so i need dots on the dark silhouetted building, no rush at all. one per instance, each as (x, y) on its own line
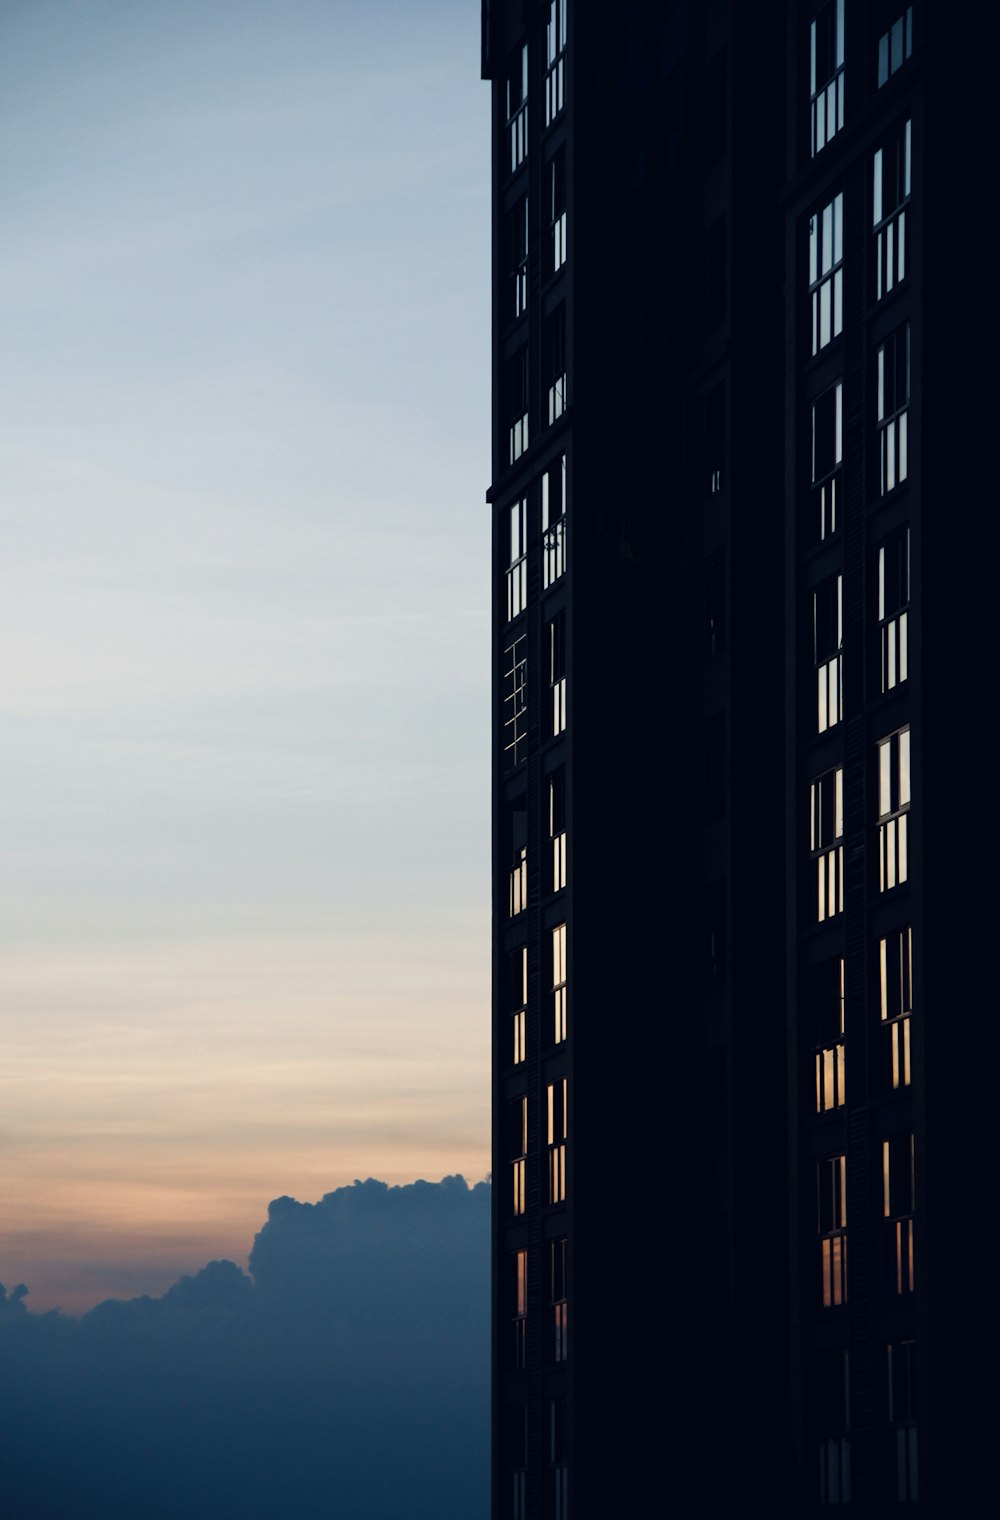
(733, 356)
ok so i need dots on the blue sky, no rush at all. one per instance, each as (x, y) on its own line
(244, 439)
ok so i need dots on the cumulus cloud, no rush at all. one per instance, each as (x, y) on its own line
(347, 1375)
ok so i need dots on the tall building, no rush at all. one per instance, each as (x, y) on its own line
(728, 1180)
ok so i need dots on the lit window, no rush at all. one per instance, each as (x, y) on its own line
(897, 1209)
(515, 701)
(555, 41)
(554, 345)
(558, 1458)
(517, 848)
(556, 1094)
(557, 828)
(827, 997)
(901, 1370)
(890, 192)
(517, 402)
(895, 46)
(828, 656)
(557, 210)
(893, 605)
(892, 389)
(893, 807)
(557, 1299)
(559, 983)
(517, 108)
(833, 1418)
(554, 521)
(826, 272)
(826, 75)
(557, 671)
(826, 834)
(518, 1300)
(827, 456)
(896, 980)
(517, 1118)
(517, 225)
(517, 972)
(831, 1186)
(517, 572)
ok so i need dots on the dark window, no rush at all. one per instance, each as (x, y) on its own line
(557, 671)
(517, 233)
(824, 993)
(557, 210)
(557, 827)
(826, 75)
(826, 272)
(554, 348)
(517, 1130)
(517, 108)
(826, 835)
(516, 817)
(831, 1187)
(517, 402)
(833, 1418)
(828, 656)
(557, 1298)
(897, 1209)
(517, 1000)
(517, 1301)
(901, 1378)
(896, 1002)
(892, 396)
(827, 456)
(893, 607)
(895, 45)
(554, 521)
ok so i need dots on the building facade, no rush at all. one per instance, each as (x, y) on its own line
(727, 1193)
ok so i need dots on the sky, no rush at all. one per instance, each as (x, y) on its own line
(244, 600)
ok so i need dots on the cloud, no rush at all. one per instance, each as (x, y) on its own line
(346, 1375)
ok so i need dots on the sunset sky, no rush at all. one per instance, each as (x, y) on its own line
(244, 591)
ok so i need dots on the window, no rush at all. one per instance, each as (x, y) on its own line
(828, 655)
(557, 1298)
(517, 560)
(826, 75)
(517, 1297)
(517, 1121)
(515, 701)
(557, 827)
(897, 1208)
(831, 1184)
(893, 604)
(826, 995)
(554, 522)
(556, 1095)
(517, 231)
(893, 806)
(516, 1442)
(826, 272)
(895, 46)
(827, 456)
(715, 438)
(559, 983)
(715, 274)
(517, 1000)
(559, 1459)
(890, 192)
(557, 210)
(517, 402)
(715, 603)
(833, 1417)
(555, 48)
(554, 343)
(892, 387)
(517, 108)
(516, 816)
(826, 833)
(557, 671)
(901, 1371)
(896, 989)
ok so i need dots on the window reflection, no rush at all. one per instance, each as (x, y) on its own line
(517, 975)
(833, 1419)
(559, 977)
(517, 561)
(557, 827)
(831, 1186)
(893, 607)
(557, 672)
(893, 807)
(557, 1299)
(826, 831)
(895, 46)
(892, 395)
(517, 108)
(896, 997)
(897, 1209)
(826, 993)
(517, 1126)
(890, 193)
(517, 1292)
(901, 1378)
(827, 455)
(828, 657)
(557, 1128)
(826, 274)
(555, 46)
(554, 522)
(826, 75)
